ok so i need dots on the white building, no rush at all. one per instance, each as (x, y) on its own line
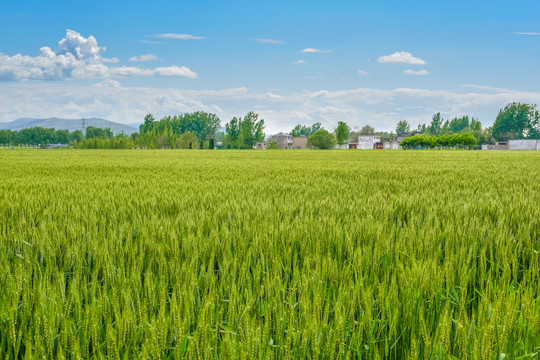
(368, 141)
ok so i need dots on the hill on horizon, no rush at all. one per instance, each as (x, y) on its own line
(68, 124)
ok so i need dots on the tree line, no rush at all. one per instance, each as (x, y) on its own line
(514, 121)
(201, 130)
(43, 136)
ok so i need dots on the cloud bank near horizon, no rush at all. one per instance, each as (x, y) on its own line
(77, 57)
(379, 108)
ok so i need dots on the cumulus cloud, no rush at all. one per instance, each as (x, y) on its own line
(77, 57)
(362, 72)
(401, 57)
(177, 36)
(312, 50)
(269, 41)
(174, 70)
(299, 62)
(419, 72)
(144, 57)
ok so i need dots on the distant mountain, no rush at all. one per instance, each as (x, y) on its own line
(69, 124)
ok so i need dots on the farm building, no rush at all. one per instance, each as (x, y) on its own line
(260, 145)
(299, 142)
(366, 142)
(282, 140)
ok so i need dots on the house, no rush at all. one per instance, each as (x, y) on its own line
(299, 142)
(368, 141)
(260, 145)
(353, 146)
(282, 140)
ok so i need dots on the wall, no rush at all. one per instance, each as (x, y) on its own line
(523, 145)
(494, 147)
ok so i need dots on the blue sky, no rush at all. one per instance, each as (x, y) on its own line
(373, 63)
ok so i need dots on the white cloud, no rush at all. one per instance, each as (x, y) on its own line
(380, 108)
(362, 72)
(487, 88)
(526, 33)
(177, 36)
(402, 57)
(144, 57)
(77, 57)
(312, 50)
(174, 70)
(269, 41)
(419, 72)
(107, 83)
(299, 62)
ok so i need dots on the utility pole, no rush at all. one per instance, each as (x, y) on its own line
(83, 126)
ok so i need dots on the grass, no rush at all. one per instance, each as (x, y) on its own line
(269, 254)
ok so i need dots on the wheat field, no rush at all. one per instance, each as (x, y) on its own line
(269, 254)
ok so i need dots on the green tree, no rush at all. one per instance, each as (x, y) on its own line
(342, 133)
(148, 124)
(76, 135)
(517, 121)
(403, 127)
(459, 124)
(307, 131)
(232, 128)
(204, 125)
(475, 125)
(94, 132)
(322, 139)
(367, 130)
(6, 136)
(244, 133)
(62, 136)
(187, 140)
(436, 124)
(271, 145)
